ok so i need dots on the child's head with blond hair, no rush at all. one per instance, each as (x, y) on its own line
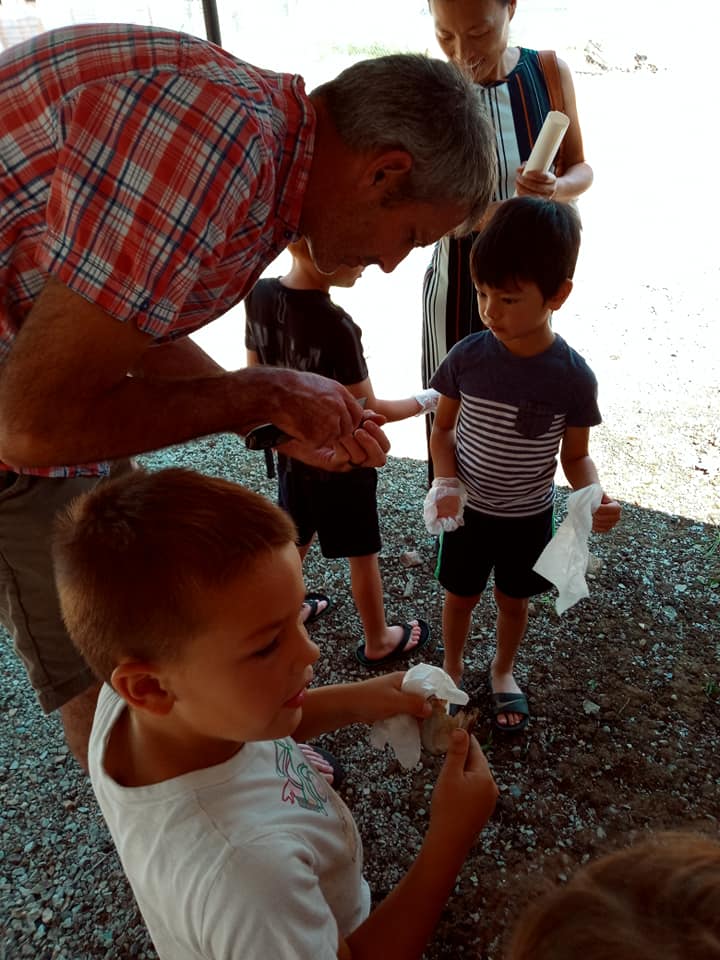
(134, 558)
(656, 900)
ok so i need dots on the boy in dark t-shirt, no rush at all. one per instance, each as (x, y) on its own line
(511, 396)
(292, 322)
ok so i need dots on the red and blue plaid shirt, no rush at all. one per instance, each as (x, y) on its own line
(150, 172)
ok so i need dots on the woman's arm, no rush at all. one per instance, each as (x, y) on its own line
(577, 175)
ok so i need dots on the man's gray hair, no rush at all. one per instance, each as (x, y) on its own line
(429, 108)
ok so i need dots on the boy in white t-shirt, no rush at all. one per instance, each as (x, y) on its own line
(184, 593)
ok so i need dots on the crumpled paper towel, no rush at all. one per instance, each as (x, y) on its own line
(403, 732)
(564, 560)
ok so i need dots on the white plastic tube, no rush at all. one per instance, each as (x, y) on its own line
(548, 141)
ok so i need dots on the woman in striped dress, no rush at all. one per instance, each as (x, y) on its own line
(515, 90)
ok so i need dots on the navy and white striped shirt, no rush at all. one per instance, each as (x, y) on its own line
(513, 415)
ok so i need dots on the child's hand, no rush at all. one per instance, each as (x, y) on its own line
(444, 504)
(427, 400)
(384, 698)
(606, 515)
(449, 506)
(464, 796)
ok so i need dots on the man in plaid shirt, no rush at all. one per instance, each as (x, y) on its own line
(146, 180)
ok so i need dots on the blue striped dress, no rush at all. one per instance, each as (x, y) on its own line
(517, 107)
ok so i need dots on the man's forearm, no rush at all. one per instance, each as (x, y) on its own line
(66, 396)
(137, 415)
(181, 359)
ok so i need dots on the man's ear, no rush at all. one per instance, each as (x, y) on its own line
(388, 169)
(142, 685)
(556, 301)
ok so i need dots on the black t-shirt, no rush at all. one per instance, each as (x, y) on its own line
(303, 330)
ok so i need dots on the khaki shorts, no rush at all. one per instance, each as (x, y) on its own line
(29, 607)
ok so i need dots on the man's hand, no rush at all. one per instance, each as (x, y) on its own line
(365, 446)
(464, 796)
(315, 410)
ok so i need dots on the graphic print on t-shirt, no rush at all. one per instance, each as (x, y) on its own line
(303, 784)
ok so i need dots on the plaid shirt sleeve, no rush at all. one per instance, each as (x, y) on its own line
(150, 172)
(153, 179)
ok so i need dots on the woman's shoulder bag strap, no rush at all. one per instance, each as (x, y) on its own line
(551, 72)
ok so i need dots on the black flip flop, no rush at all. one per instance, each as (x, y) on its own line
(313, 601)
(399, 652)
(509, 703)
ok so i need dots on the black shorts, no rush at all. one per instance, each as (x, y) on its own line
(510, 545)
(340, 507)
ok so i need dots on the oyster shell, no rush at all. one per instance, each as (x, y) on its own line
(435, 730)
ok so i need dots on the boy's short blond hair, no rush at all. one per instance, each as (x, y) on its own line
(134, 556)
(656, 900)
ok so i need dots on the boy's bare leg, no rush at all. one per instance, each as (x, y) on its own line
(456, 616)
(512, 618)
(367, 591)
(77, 717)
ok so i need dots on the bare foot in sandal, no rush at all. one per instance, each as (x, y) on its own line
(314, 606)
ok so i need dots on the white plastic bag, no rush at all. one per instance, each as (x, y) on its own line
(403, 732)
(564, 560)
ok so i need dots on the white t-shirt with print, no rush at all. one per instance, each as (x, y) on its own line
(256, 857)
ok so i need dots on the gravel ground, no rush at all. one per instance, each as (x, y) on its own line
(624, 688)
(625, 734)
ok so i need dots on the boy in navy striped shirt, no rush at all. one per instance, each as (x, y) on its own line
(511, 397)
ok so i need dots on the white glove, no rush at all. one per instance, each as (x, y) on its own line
(428, 400)
(444, 487)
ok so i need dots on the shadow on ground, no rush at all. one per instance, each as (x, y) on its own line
(624, 738)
